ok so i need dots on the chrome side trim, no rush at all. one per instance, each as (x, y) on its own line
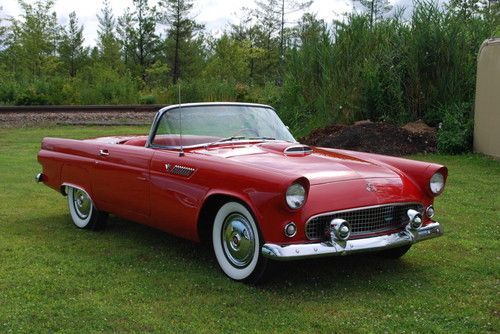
(304, 251)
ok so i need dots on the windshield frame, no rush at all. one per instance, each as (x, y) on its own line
(162, 111)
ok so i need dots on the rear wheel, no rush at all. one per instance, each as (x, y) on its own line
(237, 243)
(82, 210)
(395, 253)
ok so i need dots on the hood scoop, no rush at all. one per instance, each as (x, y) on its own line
(298, 150)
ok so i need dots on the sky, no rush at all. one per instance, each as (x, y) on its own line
(216, 15)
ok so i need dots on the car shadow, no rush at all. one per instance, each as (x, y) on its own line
(339, 271)
(345, 272)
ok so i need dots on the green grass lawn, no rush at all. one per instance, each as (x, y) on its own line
(131, 278)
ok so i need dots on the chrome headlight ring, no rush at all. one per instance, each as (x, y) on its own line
(295, 196)
(436, 183)
(430, 211)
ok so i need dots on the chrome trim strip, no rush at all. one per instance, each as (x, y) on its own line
(205, 145)
(304, 251)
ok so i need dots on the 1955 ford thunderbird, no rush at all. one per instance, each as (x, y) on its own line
(232, 174)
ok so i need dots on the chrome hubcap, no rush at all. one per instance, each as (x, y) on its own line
(81, 203)
(238, 240)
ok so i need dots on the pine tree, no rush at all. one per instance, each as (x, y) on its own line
(3, 32)
(125, 30)
(33, 40)
(72, 53)
(107, 43)
(272, 14)
(470, 8)
(145, 40)
(375, 9)
(181, 42)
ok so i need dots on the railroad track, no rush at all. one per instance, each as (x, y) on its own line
(134, 114)
(136, 108)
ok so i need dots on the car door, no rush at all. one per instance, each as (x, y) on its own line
(176, 191)
(121, 180)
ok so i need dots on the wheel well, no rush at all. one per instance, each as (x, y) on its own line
(207, 214)
(63, 190)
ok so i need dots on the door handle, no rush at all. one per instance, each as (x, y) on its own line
(103, 153)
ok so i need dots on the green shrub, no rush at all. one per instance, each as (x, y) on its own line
(147, 99)
(8, 90)
(455, 135)
(102, 84)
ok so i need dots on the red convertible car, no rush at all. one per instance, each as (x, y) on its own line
(232, 174)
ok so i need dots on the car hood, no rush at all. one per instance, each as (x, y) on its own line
(319, 166)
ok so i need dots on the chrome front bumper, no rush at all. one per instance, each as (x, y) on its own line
(302, 251)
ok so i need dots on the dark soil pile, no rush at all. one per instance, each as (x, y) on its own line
(382, 138)
(419, 127)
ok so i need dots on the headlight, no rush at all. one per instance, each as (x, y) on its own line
(436, 184)
(295, 196)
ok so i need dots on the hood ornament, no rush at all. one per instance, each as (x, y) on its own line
(371, 187)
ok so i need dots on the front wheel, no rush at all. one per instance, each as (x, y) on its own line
(82, 210)
(237, 243)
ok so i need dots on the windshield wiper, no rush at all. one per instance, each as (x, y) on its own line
(263, 138)
(226, 139)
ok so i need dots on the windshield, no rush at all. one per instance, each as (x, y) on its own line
(205, 124)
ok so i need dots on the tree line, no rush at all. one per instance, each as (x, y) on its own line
(367, 65)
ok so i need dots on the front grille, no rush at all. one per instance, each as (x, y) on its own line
(364, 221)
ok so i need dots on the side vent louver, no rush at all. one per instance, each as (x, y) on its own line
(298, 150)
(180, 170)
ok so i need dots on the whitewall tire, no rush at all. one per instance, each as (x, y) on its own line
(237, 243)
(82, 210)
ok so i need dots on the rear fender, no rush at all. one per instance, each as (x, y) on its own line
(77, 177)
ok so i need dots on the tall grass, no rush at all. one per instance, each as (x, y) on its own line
(397, 70)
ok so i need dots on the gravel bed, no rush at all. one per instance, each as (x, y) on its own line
(94, 118)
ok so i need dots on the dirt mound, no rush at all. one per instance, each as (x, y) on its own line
(382, 138)
(419, 127)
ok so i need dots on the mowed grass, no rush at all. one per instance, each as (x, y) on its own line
(131, 278)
